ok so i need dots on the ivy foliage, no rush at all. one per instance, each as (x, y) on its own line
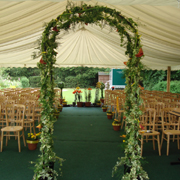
(127, 29)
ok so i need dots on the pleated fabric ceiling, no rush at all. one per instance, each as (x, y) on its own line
(21, 25)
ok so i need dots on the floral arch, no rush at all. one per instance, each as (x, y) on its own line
(127, 30)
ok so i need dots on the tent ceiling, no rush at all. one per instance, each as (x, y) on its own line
(22, 24)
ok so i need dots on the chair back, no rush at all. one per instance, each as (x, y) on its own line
(147, 119)
(174, 105)
(30, 109)
(15, 114)
(158, 106)
(10, 101)
(169, 121)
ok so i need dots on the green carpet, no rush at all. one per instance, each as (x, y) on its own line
(86, 139)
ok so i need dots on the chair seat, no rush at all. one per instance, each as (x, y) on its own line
(153, 133)
(29, 121)
(172, 132)
(12, 128)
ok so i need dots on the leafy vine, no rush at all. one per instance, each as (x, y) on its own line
(127, 29)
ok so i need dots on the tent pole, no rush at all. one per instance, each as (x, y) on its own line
(168, 78)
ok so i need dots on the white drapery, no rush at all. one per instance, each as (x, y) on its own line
(22, 24)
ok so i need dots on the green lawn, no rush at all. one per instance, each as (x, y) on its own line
(69, 96)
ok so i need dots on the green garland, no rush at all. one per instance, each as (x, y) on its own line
(127, 30)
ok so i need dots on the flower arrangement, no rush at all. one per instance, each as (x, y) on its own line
(33, 137)
(75, 95)
(102, 90)
(101, 86)
(98, 85)
(64, 102)
(109, 112)
(98, 102)
(116, 123)
(60, 107)
(104, 108)
(77, 92)
(61, 86)
(88, 95)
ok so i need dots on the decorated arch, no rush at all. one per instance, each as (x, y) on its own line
(130, 39)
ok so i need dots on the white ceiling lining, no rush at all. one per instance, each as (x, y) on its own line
(159, 24)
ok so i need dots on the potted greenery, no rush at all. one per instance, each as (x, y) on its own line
(97, 93)
(102, 92)
(79, 97)
(64, 102)
(116, 125)
(60, 107)
(98, 103)
(61, 86)
(104, 108)
(32, 140)
(50, 168)
(88, 97)
(75, 92)
(56, 113)
(109, 114)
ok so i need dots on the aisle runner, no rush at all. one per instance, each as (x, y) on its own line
(86, 139)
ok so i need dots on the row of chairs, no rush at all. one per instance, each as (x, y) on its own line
(19, 98)
(14, 114)
(169, 123)
(17, 117)
(161, 122)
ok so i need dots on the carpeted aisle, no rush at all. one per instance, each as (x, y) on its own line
(86, 139)
(88, 143)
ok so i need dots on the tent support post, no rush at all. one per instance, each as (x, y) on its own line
(168, 78)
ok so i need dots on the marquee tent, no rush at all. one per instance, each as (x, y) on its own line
(21, 25)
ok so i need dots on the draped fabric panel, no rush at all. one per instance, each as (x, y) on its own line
(21, 25)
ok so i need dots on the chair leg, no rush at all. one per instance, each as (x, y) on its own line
(19, 144)
(7, 137)
(122, 124)
(173, 138)
(178, 141)
(23, 137)
(2, 135)
(142, 144)
(34, 128)
(162, 140)
(159, 146)
(168, 141)
(153, 143)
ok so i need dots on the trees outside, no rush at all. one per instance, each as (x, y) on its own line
(152, 77)
(71, 76)
(83, 77)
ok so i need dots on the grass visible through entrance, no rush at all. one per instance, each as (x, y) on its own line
(69, 96)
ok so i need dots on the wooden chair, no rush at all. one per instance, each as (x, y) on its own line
(1, 118)
(147, 120)
(158, 106)
(174, 105)
(29, 115)
(3, 107)
(14, 123)
(120, 110)
(37, 112)
(170, 126)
